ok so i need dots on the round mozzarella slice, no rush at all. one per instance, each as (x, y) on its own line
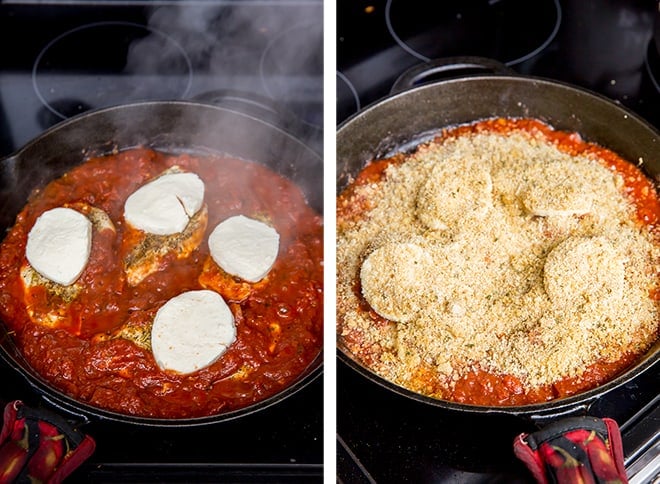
(244, 247)
(455, 190)
(165, 205)
(584, 270)
(560, 188)
(191, 331)
(395, 280)
(59, 244)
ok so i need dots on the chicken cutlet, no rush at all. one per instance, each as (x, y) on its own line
(49, 303)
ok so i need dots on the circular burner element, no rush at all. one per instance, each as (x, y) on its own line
(348, 101)
(511, 31)
(109, 63)
(291, 70)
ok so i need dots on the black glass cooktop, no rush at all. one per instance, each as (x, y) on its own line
(62, 58)
(606, 46)
(281, 443)
(67, 57)
(603, 45)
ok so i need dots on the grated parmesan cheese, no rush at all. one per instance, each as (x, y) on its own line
(494, 251)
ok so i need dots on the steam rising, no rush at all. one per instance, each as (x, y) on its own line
(266, 49)
(233, 47)
(264, 59)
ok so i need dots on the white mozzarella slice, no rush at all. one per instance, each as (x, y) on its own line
(395, 280)
(59, 244)
(455, 190)
(244, 247)
(191, 331)
(584, 270)
(559, 188)
(165, 205)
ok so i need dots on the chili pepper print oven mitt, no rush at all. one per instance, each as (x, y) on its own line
(573, 451)
(37, 446)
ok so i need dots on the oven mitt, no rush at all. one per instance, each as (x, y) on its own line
(574, 450)
(37, 446)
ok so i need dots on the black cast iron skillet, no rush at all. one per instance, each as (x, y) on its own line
(175, 126)
(412, 114)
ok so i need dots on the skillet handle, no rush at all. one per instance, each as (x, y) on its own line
(76, 419)
(541, 419)
(448, 67)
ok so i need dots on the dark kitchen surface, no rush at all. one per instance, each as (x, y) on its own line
(603, 45)
(281, 443)
(606, 46)
(62, 58)
(67, 57)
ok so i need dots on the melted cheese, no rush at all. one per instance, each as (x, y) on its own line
(191, 331)
(59, 245)
(244, 247)
(165, 205)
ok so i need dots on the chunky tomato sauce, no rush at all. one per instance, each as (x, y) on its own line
(480, 387)
(279, 323)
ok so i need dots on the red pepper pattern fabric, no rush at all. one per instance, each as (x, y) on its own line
(577, 450)
(37, 446)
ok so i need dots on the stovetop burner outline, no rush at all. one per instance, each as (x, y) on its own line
(305, 88)
(653, 70)
(404, 45)
(349, 85)
(35, 68)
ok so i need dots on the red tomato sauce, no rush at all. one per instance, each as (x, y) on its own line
(479, 387)
(118, 375)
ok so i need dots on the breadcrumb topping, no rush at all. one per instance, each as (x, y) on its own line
(495, 251)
